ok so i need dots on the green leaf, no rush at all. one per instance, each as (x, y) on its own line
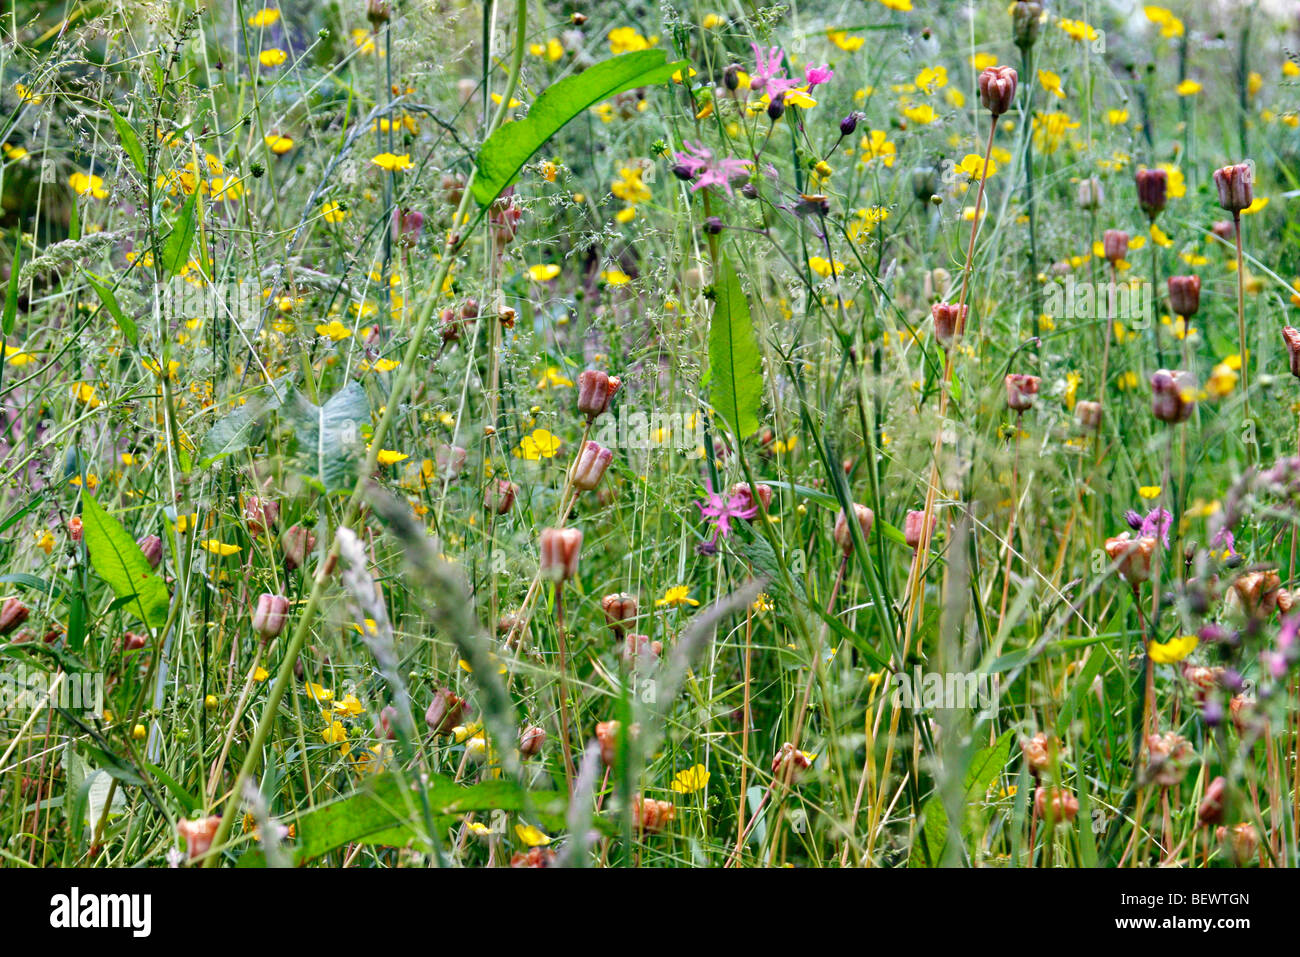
(982, 771)
(109, 301)
(505, 152)
(329, 446)
(176, 249)
(11, 295)
(117, 559)
(238, 430)
(130, 142)
(735, 371)
(386, 810)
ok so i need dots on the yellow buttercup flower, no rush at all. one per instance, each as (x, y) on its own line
(675, 597)
(1172, 651)
(334, 330)
(277, 144)
(389, 457)
(264, 17)
(543, 272)
(690, 780)
(394, 163)
(219, 548)
(88, 185)
(531, 836)
(540, 444)
(272, 57)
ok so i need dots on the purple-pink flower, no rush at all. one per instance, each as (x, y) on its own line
(697, 163)
(816, 75)
(719, 511)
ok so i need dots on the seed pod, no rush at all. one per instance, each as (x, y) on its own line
(998, 88)
(1152, 190)
(1185, 295)
(559, 552)
(1114, 243)
(844, 535)
(1021, 390)
(949, 322)
(270, 615)
(445, 711)
(595, 390)
(1236, 187)
(1173, 395)
(1088, 415)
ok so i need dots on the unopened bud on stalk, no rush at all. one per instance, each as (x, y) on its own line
(1055, 804)
(1241, 839)
(1236, 187)
(297, 543)
(589, 467)
(1021, 390)
(198, 834)
(1088, 415)
(620, 608)
(1185, 295)
(1114, 243)
(531, 740)
(1090, 194)
(639, 649)
(651, 815)
(731, 77)
(1291, 337)
(1211, 808)
(843, 533)
(12, 614)
(408, 224)
(559, 550)
(499, 496)
(998, 88)
(949, 321)
(595, 390)
(776, 107)
(914, 528)
(152, 547)
(1153, 190)
(1132, 556)
(1173, 395)
(850, 123)
(270, 615)
(749, 495)
(377, 12)
(260, 514)
(789, 764)
(1026, 20)
(445, 711)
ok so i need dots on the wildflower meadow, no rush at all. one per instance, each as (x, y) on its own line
(840, 434)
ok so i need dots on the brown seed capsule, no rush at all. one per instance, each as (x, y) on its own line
(1242, 841)
(844, 534)
(1185, 295)
(152, 548)
(534, 857)
(1236, 186)
(1021, 390)
(1026, 20)
(297, 543)
(270, 615)
(12, 614)
(1173, 395)
(1132, 557)
(607, 733)
(590, 466)
(445, 712)
(652, 815)
(758, 492)
(949, 321)
(997, 86)
(499, 496)
(1152, 190)
(595, 390)
(559, 551)
(1090, 195)
(1037, 752)
(1055, 804)
(640, 650)
(914, 526)
(620, 609)
(1254, 594)
(531, 740)
(1211, 807)
(134, 641)
(198, 834)
(260, 514)
(1291, 337)
(1168, 756)
(789, 763)
(1114, 243)
(1088, 415)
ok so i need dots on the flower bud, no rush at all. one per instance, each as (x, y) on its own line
(1090, 195)
(407, 226)
(499, 496)
(789, 763)
(589, 467)
(1236, 187)
(1114, 244)
(297, 543)
(776, 107)
(1088, 415)
(377, 12)
(1153, 190)
(388, 722)
(1037, 752)
(12, 614)
(1026, 20)
(731, 77)
(260, 514)
(747, 495)
(198, 834)
(74, 528)
(595, 390)
(620, 608)
(1211, 808)
(844, 535)
(1185, 295)
(1132, 557)
(1225, 229)
(1242, 841)
(1291, 337)
(1055, 804)
(607, 733)
(445, 712)
(270, 615)
(152, 547)
(651, 815)
(998, 88)
(949, 321)
(1021, 390)
(914, 527)
(639, 649)
(559, 551)
(531, 740)
(1173, 395)
(134, 641)
(850, 123)
(1168, 755)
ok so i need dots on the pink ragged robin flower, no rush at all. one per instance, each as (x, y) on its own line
(697, 164)
(719, 512)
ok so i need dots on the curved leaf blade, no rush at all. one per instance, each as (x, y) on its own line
(735, 369)
(505, 152)
(117, 559)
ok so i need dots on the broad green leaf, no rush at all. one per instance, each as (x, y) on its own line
(505, 152)
(328, 437)
(176, 248)
(735, 370)
(238, 430)
(981, 773)
(117, 559)
(109, 301)
(386, 810)
(130, 142)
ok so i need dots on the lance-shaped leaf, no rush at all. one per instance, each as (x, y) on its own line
(239, 429)
(328, 437)
(735, 370)
(505, 152)
(118, 560)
